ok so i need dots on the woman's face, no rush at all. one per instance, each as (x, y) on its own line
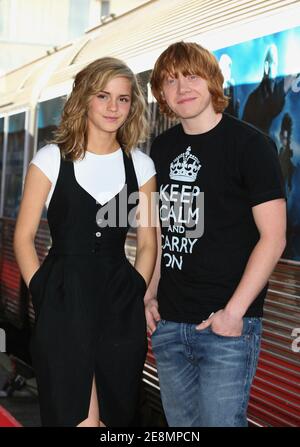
(109, 109)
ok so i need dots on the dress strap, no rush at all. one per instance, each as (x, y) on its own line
(130, 174)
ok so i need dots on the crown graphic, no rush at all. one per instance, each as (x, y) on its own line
(185, 167)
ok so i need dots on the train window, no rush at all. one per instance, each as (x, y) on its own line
(14, 164)
(105, 7)
(49, 113)
(158, 122)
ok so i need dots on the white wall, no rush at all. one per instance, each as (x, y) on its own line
(117, 7)
(29, 27)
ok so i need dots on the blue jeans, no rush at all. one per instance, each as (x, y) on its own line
(205, 378)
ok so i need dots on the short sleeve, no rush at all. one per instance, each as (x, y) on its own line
(260, 170)
(144, 166)
(47, 159)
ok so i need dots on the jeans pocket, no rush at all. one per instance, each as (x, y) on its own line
(158, 325)
(231, 337)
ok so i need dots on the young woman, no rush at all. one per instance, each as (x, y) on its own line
(89, 342)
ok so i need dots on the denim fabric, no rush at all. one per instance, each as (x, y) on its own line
(205, 378)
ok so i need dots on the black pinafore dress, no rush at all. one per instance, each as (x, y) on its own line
(88, 302)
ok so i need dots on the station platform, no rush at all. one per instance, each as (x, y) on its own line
(19, 405)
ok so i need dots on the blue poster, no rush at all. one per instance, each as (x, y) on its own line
(262, 78)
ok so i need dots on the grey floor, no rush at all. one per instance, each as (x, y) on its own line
(23, 403)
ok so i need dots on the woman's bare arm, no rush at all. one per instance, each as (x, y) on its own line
(146, 233)
(36, 189)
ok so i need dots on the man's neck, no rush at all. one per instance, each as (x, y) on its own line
(201, 124)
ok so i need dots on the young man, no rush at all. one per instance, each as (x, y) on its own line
(223, 217)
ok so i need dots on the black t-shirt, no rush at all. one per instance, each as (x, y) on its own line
(208, 184)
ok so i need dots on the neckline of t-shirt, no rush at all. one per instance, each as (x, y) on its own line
(209, 133)
(110, 155)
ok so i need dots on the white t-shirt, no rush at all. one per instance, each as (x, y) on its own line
(102, 176)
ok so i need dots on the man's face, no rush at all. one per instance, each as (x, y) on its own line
(187, 96)
(271, 63)
(284, 137)
(271, 69)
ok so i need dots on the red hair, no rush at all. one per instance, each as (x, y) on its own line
(188, 58)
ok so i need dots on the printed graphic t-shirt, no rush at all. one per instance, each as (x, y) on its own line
(208, 184)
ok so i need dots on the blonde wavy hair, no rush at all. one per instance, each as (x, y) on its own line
(188, 58)
(72, 133)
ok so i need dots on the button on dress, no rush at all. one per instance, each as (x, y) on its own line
(89, 309)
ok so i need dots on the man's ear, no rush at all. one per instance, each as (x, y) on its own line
(162, 95)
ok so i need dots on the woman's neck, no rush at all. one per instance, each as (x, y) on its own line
(102, 143)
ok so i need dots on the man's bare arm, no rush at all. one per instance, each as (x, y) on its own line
(150, 300)
(270, 219)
